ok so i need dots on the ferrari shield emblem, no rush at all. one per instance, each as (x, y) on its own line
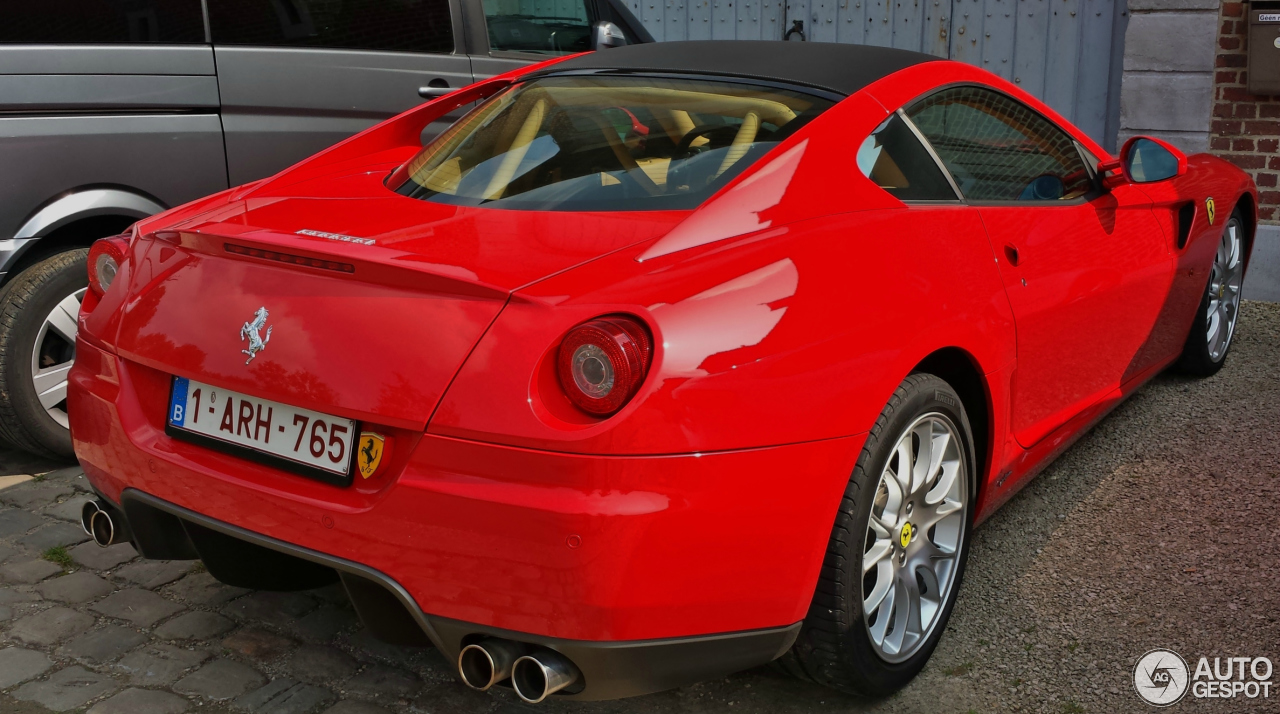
(369, 453)
(1208, 209)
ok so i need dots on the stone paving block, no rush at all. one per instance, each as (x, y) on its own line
(141, 607)
(103, 645)
(17, 521)
(6, 613)
(378, 681)
(270, 606)
(160, 664)
(203, 589)
(50, 626)
(34, 494)
(198, 625)
(354, 706)
(151, 574)
(369, 646)
(67, 689)
(284, 696)
(70, 509)
(92, 555)
(141, 701)
(56, 534)
(220, 679)
(28, 571)
(9, 596)
(324, 624)
(18, 665)
(7, 552)
(78, 587)
(322, 664)
(258, 644)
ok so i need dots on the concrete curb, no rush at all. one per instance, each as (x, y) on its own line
(1262, 282)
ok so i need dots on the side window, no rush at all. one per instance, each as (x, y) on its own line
(102, 22)
(394, 25)
(552, 27)
(998, 149)
(896, 161)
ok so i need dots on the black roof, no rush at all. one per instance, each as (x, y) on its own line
(836, 67)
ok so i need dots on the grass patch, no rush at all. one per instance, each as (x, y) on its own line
(58, 554)
(1070, 707)
(959, 670)
(1071, 647)
(38, 477)
(199, 567)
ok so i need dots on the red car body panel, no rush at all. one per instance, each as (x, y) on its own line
(785, 312)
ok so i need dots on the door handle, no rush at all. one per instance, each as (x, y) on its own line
(1011, 253)
(435, 88)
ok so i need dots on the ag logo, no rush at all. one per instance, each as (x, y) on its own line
(905, 537)
(369, 453)
(252, 331)
(1209, 208)
(1160, 677)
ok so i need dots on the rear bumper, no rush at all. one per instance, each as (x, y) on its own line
(629, 561)
(609, 669)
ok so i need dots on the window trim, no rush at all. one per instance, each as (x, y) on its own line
(951, 181)
(1093, 193)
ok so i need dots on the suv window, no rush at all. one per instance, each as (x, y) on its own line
(896, 161)
(546, 27)
(102, 22)
(397, 25)
(998, 149)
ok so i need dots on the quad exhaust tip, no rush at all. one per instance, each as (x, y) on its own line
(539, 675)
(95, 519)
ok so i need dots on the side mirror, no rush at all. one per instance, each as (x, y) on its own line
(606, 34)
(1143, 159)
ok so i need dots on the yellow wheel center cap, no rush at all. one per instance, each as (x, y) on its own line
(905, 536)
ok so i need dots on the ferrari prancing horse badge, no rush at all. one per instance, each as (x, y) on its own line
(1208, 208)
(369, 453)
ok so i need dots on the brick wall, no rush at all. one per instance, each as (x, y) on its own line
(1246, 128)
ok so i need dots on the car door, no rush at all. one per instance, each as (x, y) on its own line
(1086, 271)
(296, 76)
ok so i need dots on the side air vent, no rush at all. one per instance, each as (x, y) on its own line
(1186, 214)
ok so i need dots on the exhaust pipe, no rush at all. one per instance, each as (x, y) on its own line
(103, 523)
(484, 664)
(541, 674)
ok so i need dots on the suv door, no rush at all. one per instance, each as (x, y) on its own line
(296, 76)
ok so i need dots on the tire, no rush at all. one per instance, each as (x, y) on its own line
(26, 304)
(837, 646)
(1219, 308)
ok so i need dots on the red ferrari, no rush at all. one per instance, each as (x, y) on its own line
(660, 363)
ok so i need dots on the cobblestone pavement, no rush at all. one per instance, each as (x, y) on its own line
(1158, 529)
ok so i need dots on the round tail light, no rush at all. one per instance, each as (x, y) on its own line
(105, 257)
(603, 362)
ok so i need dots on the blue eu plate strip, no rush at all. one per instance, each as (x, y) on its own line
(178, 402)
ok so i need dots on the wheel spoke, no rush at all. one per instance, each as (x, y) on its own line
(883, 589)
(878, 551)
(905, 462)
(51, 385)
(63, 318)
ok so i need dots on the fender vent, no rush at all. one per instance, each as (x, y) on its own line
(1186, 215)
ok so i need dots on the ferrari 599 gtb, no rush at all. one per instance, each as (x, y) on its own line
(661, 363)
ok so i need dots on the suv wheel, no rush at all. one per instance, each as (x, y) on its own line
(38, 310)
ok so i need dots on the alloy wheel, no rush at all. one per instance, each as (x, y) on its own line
(914, 535)
(53, 355)
(1225, 279)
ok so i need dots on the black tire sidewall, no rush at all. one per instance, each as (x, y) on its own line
(1195, 359)
(930, 395)
(39, 288)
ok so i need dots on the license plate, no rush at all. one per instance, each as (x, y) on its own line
(312, 443)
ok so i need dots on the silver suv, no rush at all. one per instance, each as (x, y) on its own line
(113, 110)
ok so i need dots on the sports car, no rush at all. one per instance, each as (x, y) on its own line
(661, 363)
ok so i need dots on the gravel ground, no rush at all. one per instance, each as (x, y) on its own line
(1158, 529)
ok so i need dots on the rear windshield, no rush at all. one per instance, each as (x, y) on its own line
(605, 143)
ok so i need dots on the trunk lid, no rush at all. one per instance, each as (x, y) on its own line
(402, 291)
